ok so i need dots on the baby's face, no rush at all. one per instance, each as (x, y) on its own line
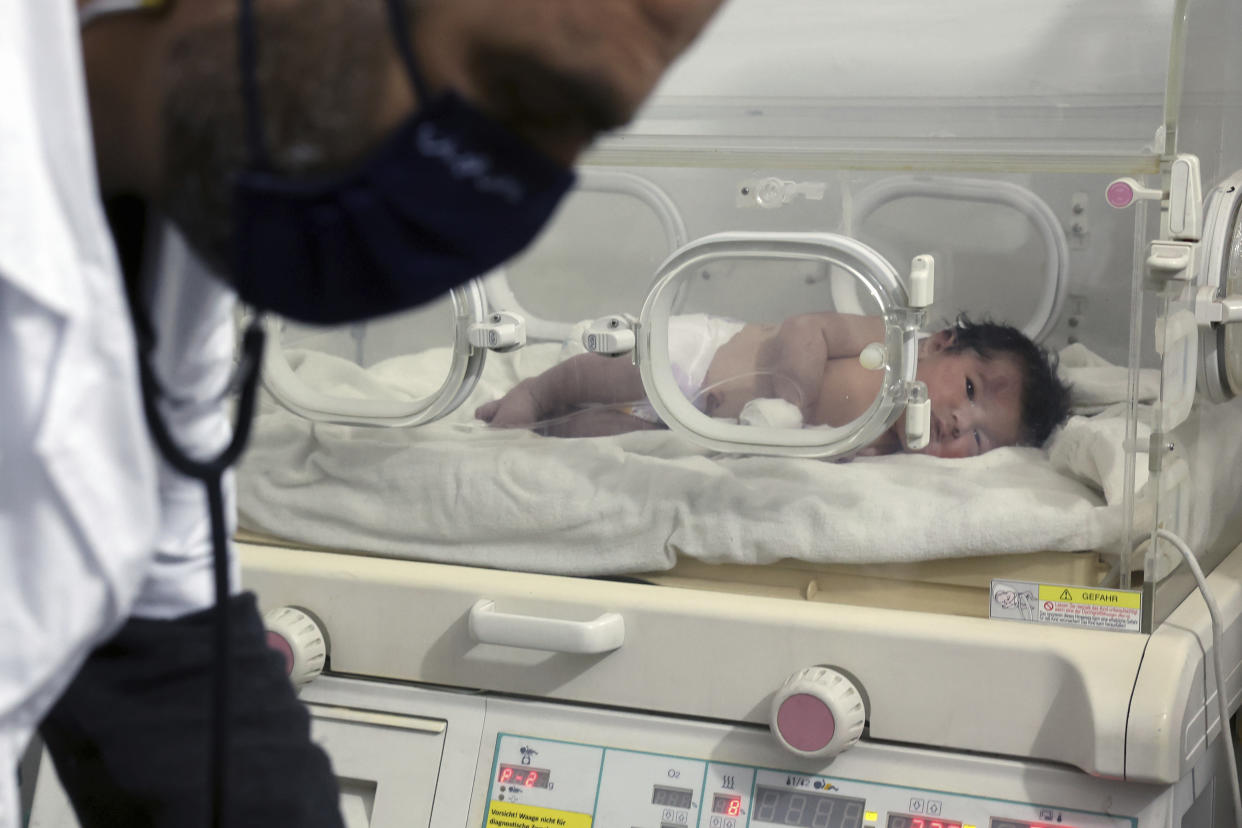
(975, 402)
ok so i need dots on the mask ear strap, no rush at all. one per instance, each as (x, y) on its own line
(400, 26)
(247, 58)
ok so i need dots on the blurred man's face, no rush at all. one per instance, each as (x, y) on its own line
(323, 74)
(556, 72)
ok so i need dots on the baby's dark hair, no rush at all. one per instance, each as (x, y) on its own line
(1045, 399)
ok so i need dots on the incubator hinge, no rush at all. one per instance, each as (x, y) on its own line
(611, 335)
(1211, 308)
(503, 331)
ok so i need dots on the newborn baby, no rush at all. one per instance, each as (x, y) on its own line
(989, 385)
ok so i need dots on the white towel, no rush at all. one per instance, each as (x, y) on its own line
(458, 492)
(1092, 449)
(1096, 383)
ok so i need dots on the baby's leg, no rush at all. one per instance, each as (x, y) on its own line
(516, 409)
(580, 380)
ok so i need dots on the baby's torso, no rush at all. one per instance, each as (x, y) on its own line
(845, 393)
(732, 381)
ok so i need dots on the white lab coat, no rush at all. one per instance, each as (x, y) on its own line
(193, 315)
(79, 513)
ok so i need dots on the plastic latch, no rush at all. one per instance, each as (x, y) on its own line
(1123, 192)
(1168, 260)
(922, 281)
(610, 335)
(918, 424)
(503, 331)
(1185, 199)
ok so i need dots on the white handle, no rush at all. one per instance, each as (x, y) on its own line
(602, 635)
(918, 425)
(1185, 199)
(922, 281)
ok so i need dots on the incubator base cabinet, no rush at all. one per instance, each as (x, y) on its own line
(971, 722)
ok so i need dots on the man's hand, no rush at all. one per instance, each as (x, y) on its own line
(558, 72)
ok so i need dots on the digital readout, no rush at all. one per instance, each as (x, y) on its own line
(1018, 823)
(727, 804)
(671, 797)
(523, 775)
(908, 821)
(786, 806)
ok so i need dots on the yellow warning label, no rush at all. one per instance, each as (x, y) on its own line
(513, 815)
(1092, 596)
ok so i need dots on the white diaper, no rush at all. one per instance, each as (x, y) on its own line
(693, 340)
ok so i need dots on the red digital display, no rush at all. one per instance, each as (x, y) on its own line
(911, 821)
(727, 804)
(523, 775)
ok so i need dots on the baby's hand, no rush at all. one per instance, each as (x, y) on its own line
(770, 412)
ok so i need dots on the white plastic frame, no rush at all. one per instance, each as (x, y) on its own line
(869, 267)
(1220, 347)
(469, 306)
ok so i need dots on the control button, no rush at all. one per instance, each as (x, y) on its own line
(667, 816)
(916, 805)
(715, 822)
(933, 807)
(296, 636)
(730, 823)
(681, 817)
(818, 712)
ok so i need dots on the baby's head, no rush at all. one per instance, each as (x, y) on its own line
(990, 386)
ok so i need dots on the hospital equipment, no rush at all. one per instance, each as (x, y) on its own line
(899, 641)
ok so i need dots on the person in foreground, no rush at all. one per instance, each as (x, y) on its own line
(989, 385)
(327, 160)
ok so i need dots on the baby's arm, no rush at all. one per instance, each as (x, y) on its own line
(579, 380)
(798, 353)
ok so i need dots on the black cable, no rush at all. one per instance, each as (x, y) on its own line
(129, 219)
(211, 473)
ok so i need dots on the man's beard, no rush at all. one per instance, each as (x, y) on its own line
(320, 77)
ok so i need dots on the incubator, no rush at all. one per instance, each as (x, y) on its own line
(718, 583)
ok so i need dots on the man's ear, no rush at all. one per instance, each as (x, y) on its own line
(938, 341)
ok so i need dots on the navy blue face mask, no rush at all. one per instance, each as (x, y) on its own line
(447, 197)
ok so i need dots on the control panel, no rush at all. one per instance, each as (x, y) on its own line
(546, 783)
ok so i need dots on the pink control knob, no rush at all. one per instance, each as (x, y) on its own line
(818, 712)
(296, 636)
(1120, 193)
(1123, 192)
